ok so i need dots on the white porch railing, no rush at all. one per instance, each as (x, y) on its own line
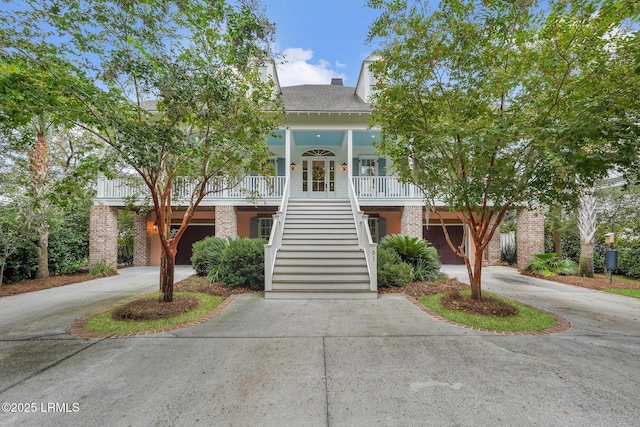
(275, 239)
(365, 242)
(250, 186)
(384, 187)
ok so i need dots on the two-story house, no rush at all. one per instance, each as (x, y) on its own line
(332, 193)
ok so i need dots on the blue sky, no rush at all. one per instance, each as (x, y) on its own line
(320, 39)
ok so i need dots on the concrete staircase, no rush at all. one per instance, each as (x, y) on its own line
(319, 256)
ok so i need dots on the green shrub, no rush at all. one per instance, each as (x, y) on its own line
(243, 264)
(550, 265)
(418, 253)
(207, 255)
(22, 264)
(392, 271)
(69, 243)
(629, 259)
(509, 254)
(100, 269)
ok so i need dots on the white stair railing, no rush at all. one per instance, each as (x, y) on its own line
(275, 238)
(365, 242)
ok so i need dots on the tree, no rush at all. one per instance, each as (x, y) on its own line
(196, 63)
(488, 105)
(587, 225)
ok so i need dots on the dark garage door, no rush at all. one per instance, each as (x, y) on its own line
(435, 235)
(194, 233)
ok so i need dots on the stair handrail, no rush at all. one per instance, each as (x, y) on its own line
(365, 242)
(275, 238)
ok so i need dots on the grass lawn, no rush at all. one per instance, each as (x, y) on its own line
(618, 278)
(103, 323)
(635, 293)
(527, 319)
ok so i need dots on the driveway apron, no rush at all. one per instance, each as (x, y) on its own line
(383, 362)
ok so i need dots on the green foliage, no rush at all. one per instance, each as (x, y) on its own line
(509, 254)
(22, 264)
(125, 236)
(392, 271)
(418, 253)
(629, 259)
(483, 100)
(550, 265)
(101, 269)
(243, 264)
(207, 256)
(69, 243)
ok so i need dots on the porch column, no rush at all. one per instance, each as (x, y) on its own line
(140, 240)
(411, 221)
(226, 221)
(494, 254)
(529, 235)
(103, 235)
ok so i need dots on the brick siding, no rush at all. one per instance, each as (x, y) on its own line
(103, 232)
(493, 250)
(140, 240)
(529, 235)
(226, 221)
(411, 221)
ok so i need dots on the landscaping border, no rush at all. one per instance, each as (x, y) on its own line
(77, 327)
(562, 324)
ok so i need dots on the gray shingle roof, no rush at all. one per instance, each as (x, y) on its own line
(322, 98)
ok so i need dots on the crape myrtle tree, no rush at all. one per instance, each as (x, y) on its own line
(196, 63)
(490, 105)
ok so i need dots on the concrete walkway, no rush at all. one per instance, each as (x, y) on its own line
(325, 363)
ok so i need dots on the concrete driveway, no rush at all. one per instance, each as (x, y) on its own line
(323, 363)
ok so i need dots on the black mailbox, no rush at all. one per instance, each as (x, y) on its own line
(611, 259)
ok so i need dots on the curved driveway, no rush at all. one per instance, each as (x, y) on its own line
(319, 363)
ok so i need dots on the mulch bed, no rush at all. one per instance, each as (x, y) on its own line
(46, 283)
(486, 306)
(201, 284)
(598, 283)
(417, 289)
(153, 309)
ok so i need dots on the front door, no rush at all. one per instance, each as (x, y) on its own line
(318, 177)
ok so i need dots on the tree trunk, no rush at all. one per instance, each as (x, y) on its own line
(476, 280)
(556, 216)
(42, 271)
(585, 268)
(39, 170)
(167, 269)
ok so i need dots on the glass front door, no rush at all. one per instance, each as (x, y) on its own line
(318, 176)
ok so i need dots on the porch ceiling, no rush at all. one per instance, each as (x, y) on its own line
(364, 138)
(318, 138)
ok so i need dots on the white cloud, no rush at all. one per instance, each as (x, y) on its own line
(297, 69)
(340, 64)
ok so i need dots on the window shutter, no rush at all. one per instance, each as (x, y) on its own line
(382, 227)
(355, 166)
(280, 167)
(382, 164)
(253, 228)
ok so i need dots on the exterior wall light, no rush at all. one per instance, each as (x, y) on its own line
(293, 166)
(344, 167)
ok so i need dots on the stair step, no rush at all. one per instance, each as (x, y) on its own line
(309, 294)
(312, 247)
(325, 230)
(313, 253)
(327, 278)
(362, 286)
(320, 236)
(325, 262)
(318, 270)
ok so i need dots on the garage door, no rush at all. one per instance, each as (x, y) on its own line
(435, 235)
(194, 233)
